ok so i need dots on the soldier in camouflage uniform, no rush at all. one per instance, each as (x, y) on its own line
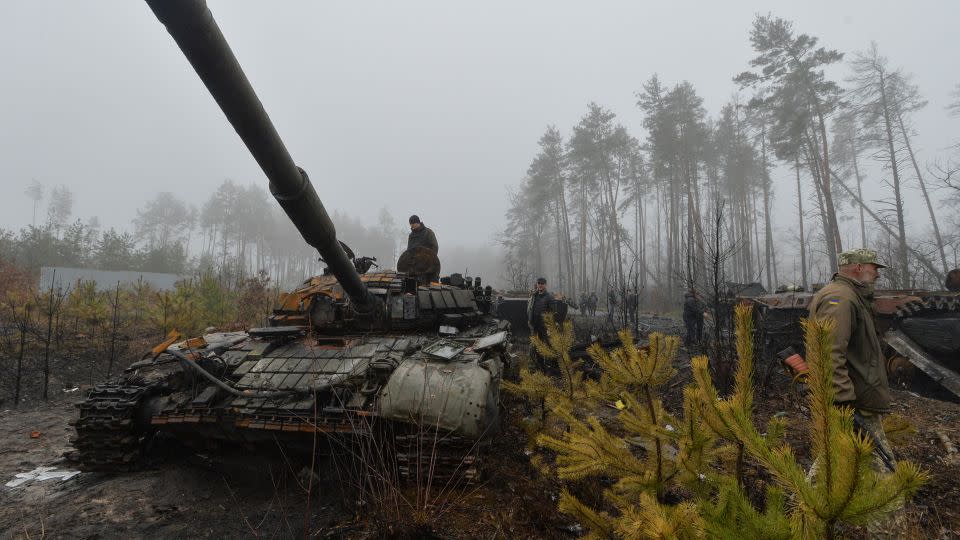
(859, 369)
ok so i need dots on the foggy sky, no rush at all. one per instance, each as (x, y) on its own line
(421, 107)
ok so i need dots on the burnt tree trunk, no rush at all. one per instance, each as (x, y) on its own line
(902, 261)
(923, 189)
(23, 325)
(803, 246)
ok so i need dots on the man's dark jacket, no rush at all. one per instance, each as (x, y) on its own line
(692, 307)
(423, 237)
(537, 306)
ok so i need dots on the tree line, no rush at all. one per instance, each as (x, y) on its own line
(235, 233)
(690, 203)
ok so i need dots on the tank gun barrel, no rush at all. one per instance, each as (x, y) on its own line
(196, 32)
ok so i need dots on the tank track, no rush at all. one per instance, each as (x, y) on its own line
(108, 438)
(436, 458)
(929, 305)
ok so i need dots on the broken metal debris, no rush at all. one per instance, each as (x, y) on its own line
(39, 475)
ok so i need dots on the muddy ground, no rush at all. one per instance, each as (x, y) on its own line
(185, 495)
(182, 494)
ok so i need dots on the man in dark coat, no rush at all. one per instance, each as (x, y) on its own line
(633, 304)
(421, 235)
(540, 303)
(611, 306)
(693, 317)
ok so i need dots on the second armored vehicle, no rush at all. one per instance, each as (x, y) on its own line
(919, 328)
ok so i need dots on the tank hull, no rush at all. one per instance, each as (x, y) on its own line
(373, 387)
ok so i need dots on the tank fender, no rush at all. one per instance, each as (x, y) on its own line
(458, 397)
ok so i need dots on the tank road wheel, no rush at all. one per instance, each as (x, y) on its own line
(932, 305)
(429, 457)
(934, 324)
(109, 436)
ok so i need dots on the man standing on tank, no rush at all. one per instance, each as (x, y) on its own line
(422, 236)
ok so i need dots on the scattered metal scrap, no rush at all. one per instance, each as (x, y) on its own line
(40, 474)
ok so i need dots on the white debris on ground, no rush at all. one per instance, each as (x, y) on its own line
(39, 475)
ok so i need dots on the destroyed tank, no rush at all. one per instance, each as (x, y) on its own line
(920, 329)
(386, 356)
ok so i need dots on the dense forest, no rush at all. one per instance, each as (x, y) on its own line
(690, 202)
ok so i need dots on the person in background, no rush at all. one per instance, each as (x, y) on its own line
(693, 317)
(633, 304)
(611, 306)
(540, 303)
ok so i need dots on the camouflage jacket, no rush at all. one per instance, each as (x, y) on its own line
(859, 370)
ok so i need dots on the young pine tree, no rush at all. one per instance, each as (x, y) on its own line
(683, 477)
(652, 456)
(564, 393)
(844, 487)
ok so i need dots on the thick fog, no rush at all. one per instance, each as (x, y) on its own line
(433, 108)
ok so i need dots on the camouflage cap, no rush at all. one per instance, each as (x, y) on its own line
(859, 256)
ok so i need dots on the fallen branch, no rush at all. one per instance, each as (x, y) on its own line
(948, 446)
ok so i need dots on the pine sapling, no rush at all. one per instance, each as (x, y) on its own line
(843, 487)
(566, 392)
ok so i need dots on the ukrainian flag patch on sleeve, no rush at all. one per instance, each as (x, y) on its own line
(833, 300)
